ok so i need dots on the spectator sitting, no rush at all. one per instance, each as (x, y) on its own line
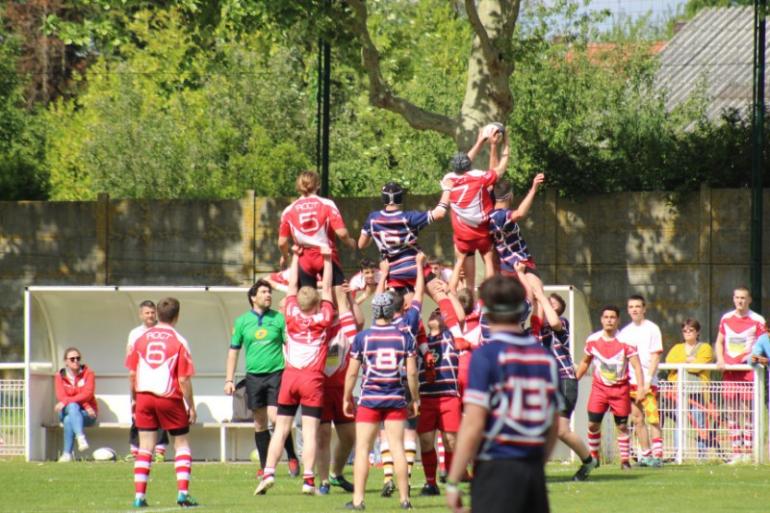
(76, 404)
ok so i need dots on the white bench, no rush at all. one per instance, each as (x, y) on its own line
(213, 411)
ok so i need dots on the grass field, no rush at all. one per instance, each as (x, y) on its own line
(108, 487)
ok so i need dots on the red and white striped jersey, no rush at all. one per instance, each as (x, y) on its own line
(307, 340)
(470, 201)
(740, 333)
(610, 359)
(311, 222)
(159, 357)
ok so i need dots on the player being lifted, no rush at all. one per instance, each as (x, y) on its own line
(610, 389)
(160, 368)
(395, 233)
(312, 222)
(307, 318)
(382, 351)
(470, 200)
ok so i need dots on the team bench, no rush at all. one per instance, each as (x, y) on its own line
(114, 414)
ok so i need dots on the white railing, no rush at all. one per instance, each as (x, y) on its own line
(12, 434)
(706, 420)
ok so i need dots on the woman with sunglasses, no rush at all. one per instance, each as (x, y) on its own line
(76, 404)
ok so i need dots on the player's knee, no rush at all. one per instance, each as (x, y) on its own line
(621, 423)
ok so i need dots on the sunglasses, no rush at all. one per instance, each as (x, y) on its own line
(74, 358)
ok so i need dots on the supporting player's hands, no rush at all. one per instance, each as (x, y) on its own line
(192, 415)
(229, 387)
(454, 500)
(420, 259)
(384, 266)
(759, 359)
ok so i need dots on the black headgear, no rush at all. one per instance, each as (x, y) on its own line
(392, 194)
(460, 163)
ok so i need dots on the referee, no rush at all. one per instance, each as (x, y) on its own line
(261, 332)
(511, 411)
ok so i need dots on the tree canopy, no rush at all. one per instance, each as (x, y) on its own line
(205, 99)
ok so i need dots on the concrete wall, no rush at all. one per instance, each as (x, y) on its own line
(685, 253)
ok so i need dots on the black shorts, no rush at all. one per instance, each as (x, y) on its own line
(568, 388)
(492, 491)
(306, 280)
(262, 389)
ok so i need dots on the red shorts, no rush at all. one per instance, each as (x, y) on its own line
(463, 364)
(153, 412)
(377, 415)
(440, 413)
(738, 385)
(303, 387)
(332, 410)
(482, 244)
(615, 398)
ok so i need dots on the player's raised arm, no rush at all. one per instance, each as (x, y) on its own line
(293, 286)
(419, 282)
(554, 321)
(456, 270)
(480, 140)
(502, 165)
(326, 280)
(523, 209)
(383, 281)
(438, 212)
(585, 363)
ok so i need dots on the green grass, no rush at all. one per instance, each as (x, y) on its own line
(108, 487)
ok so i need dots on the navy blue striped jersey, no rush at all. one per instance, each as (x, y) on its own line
(395, 233)
(515, 378)
(510, 245)
(383, 351)
(558, 343)
(446, 358)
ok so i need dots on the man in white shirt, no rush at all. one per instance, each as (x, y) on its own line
(149, 318)
(645, 336)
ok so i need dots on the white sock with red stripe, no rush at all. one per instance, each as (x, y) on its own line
(183, 465)
(440, 452)
(624, 442)
(594, 443)
(657, 447)
(160, 449)
(142, 472)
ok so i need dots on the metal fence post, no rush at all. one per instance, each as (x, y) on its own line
(680, 414)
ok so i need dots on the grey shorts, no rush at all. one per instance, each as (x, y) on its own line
(568, 388)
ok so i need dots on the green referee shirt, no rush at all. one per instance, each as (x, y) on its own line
(263, 337)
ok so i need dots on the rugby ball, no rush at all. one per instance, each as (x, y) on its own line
(104, 454)
(492, 128)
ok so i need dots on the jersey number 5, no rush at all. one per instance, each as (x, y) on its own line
(309, 221)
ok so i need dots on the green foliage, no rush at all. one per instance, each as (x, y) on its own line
(22, 175)
(161, 124)
(692, 7)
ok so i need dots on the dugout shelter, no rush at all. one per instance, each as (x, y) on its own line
(97, 321)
